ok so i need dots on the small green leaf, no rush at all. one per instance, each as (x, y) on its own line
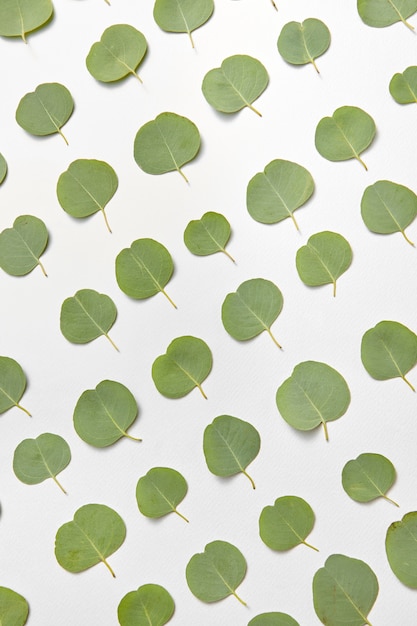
(388, 207)
(160, 491)
(208, 235)
(3, 168)
(166, 143)
(314, 394)
(344, 591)
(95, 533)
(119, 52)
(236, 84)
(345, 135)
(22, 245)
(229, 445)
(217, 572)
(326, 256)
(301, 43)
(19, 17)
(14, 609)
(36, 460)
(274, 194)
(253, 308)
(389, 350)
(380, 13)
(103, 415)
(86, 187)
(12, 384)
(286, 524)
(150, 605)
(273, 619)
(144, 269)
(368, 477)
(45, 110)
(401, 549)
(403, 87)
(187, 362)
(182, 16)
(86, 316)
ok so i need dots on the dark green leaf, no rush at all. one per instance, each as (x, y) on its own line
(368, 477)
(86, 316)
(287, 523)
(12, 384)
(208, 235)
(273, 619)
(22, 245)
(401, 548)
(45, 110)
(403, 87)
(150, 605)
(380, 13)
(19, 17)
(301, 43)
(14, 609)
(118, 53)
(36, 460)
(160, 491)
(182, 16)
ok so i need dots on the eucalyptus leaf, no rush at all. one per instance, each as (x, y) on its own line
(12, 384)
(144, 269)
(45, 110)
(36, 460)
(236, 84)
(314, 394)
(326, 256)
(273, 619)
(160, 491)
(403, 87)
(344, 591)
(229, 445)
(14, 609)
(119, 52)
(217, 572)
(368, 477)
(94, 534)
(208, 235)
(274, 194)
(182, 16)
(86, 187)
(380, 13)
(300, 43)
(3, 168)
(389, 350)
(401, 549)
(166, 143)
(86, 316)
(184, 366)
(251, 309)
(20, 17)
(287, 523)
(150, 605)
(103, 415)
(22, 245)
(388, 207)
(345, 135)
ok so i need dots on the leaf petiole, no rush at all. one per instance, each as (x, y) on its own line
(310, 546)
(111, 341)
(54, 478)
(252, 108)
(228, 255)
(169, 299)
(105, 219)
(240, 599)
(105, 562)
(389, 500)
(201, 391)
(63, 136)
(250, 479)
(268, 330)
(407, 239)
(408, 383)
(181, 515)
(23, 409)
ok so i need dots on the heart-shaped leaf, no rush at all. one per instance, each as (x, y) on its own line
(273, 619)
(22, 245)
(208, 235)
(3, 168)
(368, 477)
(403, 87)
(86, 316)
(182, 16)
(401, 549)
(14, 609)
(45, 110)
(36, 460)
(160, 491)
(301, 43)
(150, 605)
(19, 17)
(12, 384)
(119, 52)
(380, 13)
(287, 523)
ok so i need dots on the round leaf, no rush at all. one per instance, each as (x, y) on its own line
(19, 17)
(35, 460)
(401, 548)
(314, 394)
(273, 619)
(118, 53)
(149, 605)
(217, 572)
(368, 477)
(182, 16)
(22, 245)
(14, 609)
(380, 13)
(103, 415)
(45, 110)
(3, 168)
(86, 316)
(403, 87)
(301, 43)
(160, 491)
(12, 384)
(286, 524)
(208, 235)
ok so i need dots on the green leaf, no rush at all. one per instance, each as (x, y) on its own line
(344, 591)
(95, 533)
(208, 235)
(14, 609)
(160, 491)
(236, 84)
(301, 43)
(274, 194)
(252, 309)
(401, 548)
(368, 477)
(326, 256)
(166, 143)
(3, 168)
(12, 384)
(103, 415)
(229, 445)
(150, 605)
(184, 366)
(86, 187)
(182, 16)
(380, 13)
(86, 316)
(144, 269)
(22, 245)
(273, 619)
(217, 572)
(388, 207)
(45, 110)
(403, 87)
(19, 17)
(314, 394)
(119, 52)
(345, 135)
(389, 350)
(286, 524)
(35, 460)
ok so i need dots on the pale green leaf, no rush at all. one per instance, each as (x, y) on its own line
(19, 17)
(368, 477)
(36, 460)
(236, 84)
(286, 524)
(12, 384)
(14, 609)
(119, 52)
(273, 619)
(22, 245)
(160, 491)
(208, 235)
(403, 87)
(45, 110)
(401, 549)
(182, 16)
(94, 534)
(380, 13)
(3, 168)
(302, 42)
(150, 605)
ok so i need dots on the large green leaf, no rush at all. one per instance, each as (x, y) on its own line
(300, 43)
(19, 17)
(86, 316)
(273, 619)
(403, 87)
(160, 491)
(119, 52)
(380, 13)
(368, 477)
(182, 16)
(45, 110)
(401, 548)
(14, 609)
(22, 245)
(12, 384)
(287, 523)
(150, 605)
(35, 460)
(208, 235)
(3, 168)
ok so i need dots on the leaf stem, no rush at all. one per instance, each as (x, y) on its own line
(407, 239)
(360, 161)
(268, 330)
(314, 65)
(105, 562)
(125, 434)
(107, 2)
(274, 5)
(408, 383)
(112, 342)
(240, 599)
(410, 26)
(250, 479)
(389, 500)
(326, 432)
(295, 222)
(59, 484)
(22, 408)
(310, 546)
(169, 299)
(63, 136)
(42, 268)
(182, 516)
(191, 39)
(229, 255)
(137, 76)
(23, 37)
(106, 220)
(183, 175)
(201, 391)
(334, 289)
(252, 108)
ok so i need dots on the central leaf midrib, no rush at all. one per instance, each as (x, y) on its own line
(242, 469)
(177, 167)
(212, 238)
(89, 316)
(253, 312)
(402, 18)
(183, 16)
(47, 112)
(30, 251)
(184, 370)
(364, 617)
(290, 527)
(356, 154)
(370, 480)
(388, 210)
(45, 463)
(102, 557)
(86, 190)
(142, 265)
(116, 57)
(171, 504)
(235, 88)
(323, 421)
(221, 577)
(334, 278)
(402, 374)
(279, 196)
(110, 415)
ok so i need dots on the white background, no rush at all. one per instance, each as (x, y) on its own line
(380, 285)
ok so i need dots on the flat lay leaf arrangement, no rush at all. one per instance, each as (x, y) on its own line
(301, 43)
(118, 53)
